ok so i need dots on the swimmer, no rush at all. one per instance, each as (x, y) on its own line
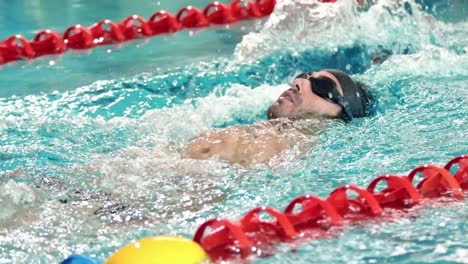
(326, 94)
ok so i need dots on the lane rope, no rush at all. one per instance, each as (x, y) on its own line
(305, 218)
(106, 32)
(311, 217)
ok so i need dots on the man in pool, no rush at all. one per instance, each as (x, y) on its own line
(326, 94)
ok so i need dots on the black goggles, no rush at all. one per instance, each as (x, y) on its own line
(326, 89)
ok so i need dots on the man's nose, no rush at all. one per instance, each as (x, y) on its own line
(296, 87)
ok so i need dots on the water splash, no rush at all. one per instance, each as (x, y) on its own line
(90, 169)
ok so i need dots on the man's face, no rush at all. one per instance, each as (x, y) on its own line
(299, 101)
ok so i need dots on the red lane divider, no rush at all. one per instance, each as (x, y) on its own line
(218, 13)
(462, 172)
(252, 235)
(163, 22)
(398, 194)
(15, 48)
(47, 42)
(226, 236)
(78, 37)
(106, 32)
(105, 36)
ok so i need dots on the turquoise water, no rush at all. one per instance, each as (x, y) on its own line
(90, 144)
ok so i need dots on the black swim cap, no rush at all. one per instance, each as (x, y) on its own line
(356, 100)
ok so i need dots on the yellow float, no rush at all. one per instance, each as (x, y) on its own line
(160, 250)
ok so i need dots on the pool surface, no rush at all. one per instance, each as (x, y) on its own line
(90, 149)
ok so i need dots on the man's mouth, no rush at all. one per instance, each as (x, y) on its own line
(287, 96)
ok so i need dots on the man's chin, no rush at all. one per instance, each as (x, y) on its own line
(283, 109)
(272, 114)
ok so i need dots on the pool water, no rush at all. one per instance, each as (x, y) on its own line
(90, 153)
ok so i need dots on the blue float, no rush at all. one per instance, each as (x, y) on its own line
(79, 259)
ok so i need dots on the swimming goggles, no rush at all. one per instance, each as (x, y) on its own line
(326, 89)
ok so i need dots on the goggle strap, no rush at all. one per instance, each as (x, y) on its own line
(331, 95)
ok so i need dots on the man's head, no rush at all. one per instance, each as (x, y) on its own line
(328, 93)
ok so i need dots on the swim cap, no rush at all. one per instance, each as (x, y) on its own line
(356, 100)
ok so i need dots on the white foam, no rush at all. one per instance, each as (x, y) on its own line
(298, 25)
(196, 115)
(167, 131)
(427, 62)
